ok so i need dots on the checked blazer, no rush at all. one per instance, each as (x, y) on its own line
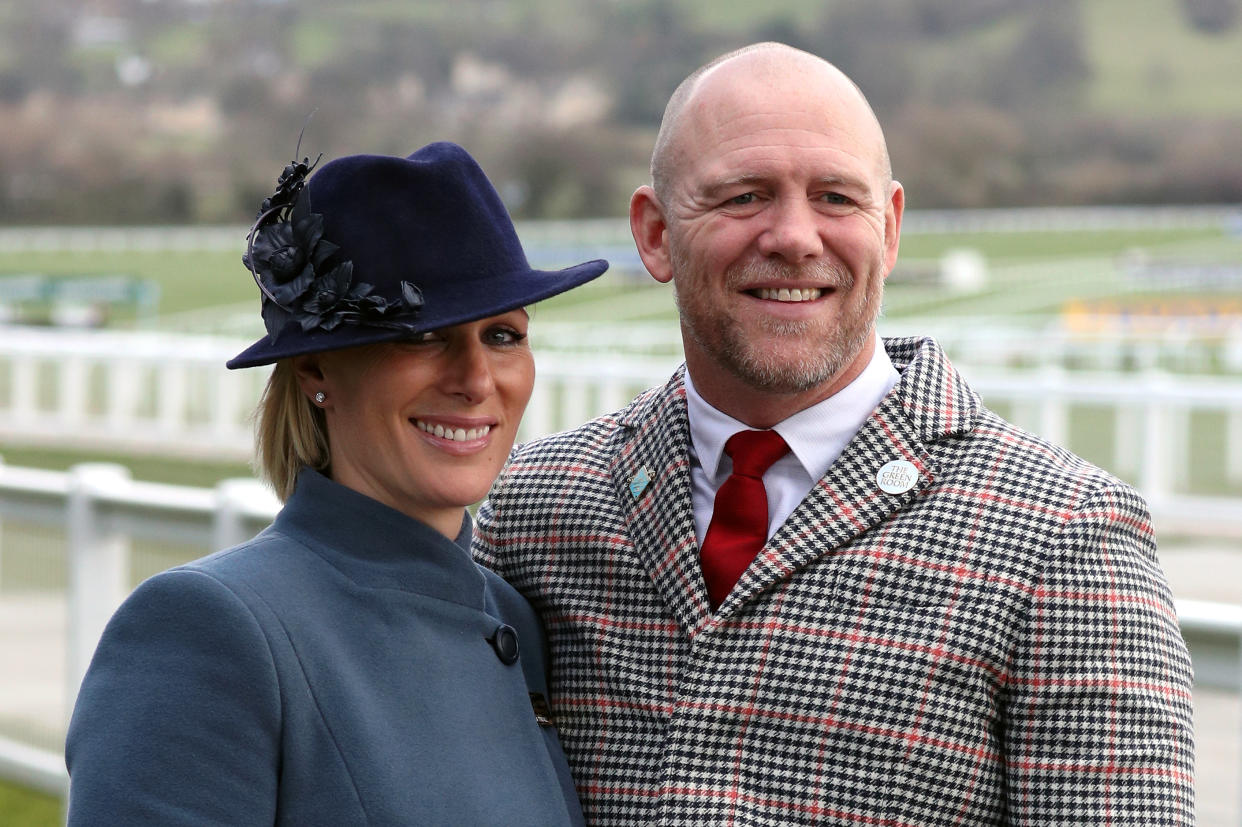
(997, 645)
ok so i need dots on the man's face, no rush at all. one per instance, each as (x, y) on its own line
(781, 227)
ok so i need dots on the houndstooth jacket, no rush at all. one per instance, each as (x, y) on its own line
(997, 645)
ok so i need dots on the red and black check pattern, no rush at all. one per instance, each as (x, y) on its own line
(996, 646)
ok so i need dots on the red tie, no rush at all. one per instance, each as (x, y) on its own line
(739, 525)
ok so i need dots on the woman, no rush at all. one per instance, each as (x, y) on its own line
(351, 664)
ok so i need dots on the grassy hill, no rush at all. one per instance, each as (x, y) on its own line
(190, 108)
(1144, 56)
(1147, 60)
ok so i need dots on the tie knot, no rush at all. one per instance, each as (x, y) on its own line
(753, 452)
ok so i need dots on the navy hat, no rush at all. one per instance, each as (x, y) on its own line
(374, 248)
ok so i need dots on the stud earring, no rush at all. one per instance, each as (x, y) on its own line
(320, 396)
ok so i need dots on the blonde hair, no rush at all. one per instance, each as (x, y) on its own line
(290, 431)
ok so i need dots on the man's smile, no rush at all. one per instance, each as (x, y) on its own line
(786, 294)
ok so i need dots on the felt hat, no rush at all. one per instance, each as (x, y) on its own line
(375, 248)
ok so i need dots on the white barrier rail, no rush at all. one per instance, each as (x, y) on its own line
(103, 512)
(144, 392)
(1152, 412)
(32, 767)
(147, 392)
(138, 391)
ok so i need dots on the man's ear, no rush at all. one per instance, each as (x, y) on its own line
(650, 231)
(893, 213)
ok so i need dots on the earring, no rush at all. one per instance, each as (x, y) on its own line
(320, 396)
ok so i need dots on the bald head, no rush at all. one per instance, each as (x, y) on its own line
(773, 64)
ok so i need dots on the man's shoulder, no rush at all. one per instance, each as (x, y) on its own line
(1009, 464)
(975, 440)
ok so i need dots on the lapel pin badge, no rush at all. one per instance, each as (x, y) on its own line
(640, 482)
(897, 477)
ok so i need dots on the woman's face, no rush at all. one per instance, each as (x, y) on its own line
(424, 426)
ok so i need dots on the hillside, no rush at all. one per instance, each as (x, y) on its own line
(180, 111)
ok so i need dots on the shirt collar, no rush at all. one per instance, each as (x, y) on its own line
(816, 435)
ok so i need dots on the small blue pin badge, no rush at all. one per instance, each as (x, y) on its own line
(640, 482)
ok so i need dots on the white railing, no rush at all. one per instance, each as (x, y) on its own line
(145, 392)
(151, 393)
(1190, 345)
(103, 512)
(1151, 412)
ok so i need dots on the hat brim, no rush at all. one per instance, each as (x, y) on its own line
(523, 288)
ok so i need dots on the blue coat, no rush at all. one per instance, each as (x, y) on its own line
(343, 667)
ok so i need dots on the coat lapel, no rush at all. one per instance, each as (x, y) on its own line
(651, 478)
(929, 402)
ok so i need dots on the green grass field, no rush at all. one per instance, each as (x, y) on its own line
(1145, 60)
(20, 807)
(186, 280)
(190, 282)
(150, 469)
(1033, 275)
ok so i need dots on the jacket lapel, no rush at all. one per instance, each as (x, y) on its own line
(651, 477)
(929, 402)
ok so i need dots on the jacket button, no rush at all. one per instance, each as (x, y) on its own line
(504, 640)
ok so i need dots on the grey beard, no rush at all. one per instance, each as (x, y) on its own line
(729, 347)
(788, 375)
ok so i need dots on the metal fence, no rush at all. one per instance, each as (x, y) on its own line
(108, 526)
(144, 392)
(147, 392)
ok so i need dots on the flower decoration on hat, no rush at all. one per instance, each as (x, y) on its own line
(302, 278)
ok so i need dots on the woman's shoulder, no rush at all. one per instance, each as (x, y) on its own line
(226, 587)
(209, 591)
(215, 615)
(184, 660)
(269, 554)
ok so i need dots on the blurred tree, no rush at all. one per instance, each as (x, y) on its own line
(549, 173)
(985, 101)
(1211, 16)
(943, 18)
(963, 155)
(1048, 59)
(649, 49)
(13, 86)
(36, 39)
(871, 42)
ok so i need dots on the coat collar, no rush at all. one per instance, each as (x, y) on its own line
(651, 476)
(376, 546)
(930, 402)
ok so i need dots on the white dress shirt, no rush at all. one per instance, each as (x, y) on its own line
(816, 437)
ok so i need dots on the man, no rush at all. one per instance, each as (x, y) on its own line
(951, 621)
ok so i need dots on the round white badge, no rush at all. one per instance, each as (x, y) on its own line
(897, 477)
